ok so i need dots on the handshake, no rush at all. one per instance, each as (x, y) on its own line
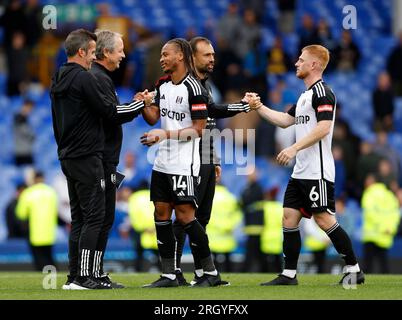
(253, 100)
(146, 96)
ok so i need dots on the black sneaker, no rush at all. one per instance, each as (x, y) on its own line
(208, 280)
(353, 278)
(282, 280)
(196, 279)
(106, 278)
(88, 283)
(180, 279)
(70, 280)
(162, 282)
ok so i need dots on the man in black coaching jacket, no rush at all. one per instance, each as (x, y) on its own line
(78, 109)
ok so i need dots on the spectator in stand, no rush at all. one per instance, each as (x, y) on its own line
(248, 34)
(383, 102)
(13, 20)
(255, 65)
(34, 17)
(17, 65)
(307, 32)
(326, 39)
(385, 150)
(348, 143)
(228, 72)
(367, 163)
(257, 6)
(24, 135)
(324, 35)
(346, 53)
(278, 60)
(286, 21)
(394, 66)
(229, 25)
(14, 24)
(387, 176)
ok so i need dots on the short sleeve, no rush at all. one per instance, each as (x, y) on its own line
(199, 107)
(158, 84)
(292, 111)
(157, 97)
(324, 105)
(197, 99)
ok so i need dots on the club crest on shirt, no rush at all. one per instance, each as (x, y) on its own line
(113, 178)
(179, 100)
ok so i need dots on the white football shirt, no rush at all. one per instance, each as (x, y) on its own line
(180, 104)
(315, 104)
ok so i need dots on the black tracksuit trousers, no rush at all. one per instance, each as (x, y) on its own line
(86, 188)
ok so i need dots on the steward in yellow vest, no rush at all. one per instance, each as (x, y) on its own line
(225, 217)
(141, 213)
(316, 241)
(271, 237)
(381, 217)
(38, 204)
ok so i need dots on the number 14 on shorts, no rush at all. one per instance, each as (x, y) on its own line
(179, 183)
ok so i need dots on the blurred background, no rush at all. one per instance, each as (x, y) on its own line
(257, 43)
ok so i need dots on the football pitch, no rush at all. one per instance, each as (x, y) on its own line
(29, 285)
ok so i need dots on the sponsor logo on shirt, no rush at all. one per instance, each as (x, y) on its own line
(199, 107)
(302, 119)
(179, 116)
(325, 107)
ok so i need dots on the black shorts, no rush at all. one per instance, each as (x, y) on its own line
(170, 188)
(310, 196)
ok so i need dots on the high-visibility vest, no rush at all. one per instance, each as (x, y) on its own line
(381, 215)
(271, 237)
(315, 238)
(38, 204)
(225, 217)
(141, 213)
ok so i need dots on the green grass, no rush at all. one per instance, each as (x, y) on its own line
(28, 285)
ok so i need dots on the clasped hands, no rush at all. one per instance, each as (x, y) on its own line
(253, 100)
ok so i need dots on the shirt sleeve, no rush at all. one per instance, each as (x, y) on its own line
(157, 97)
(324, 105)
(198, 104)
(292, 111)
(102, 105)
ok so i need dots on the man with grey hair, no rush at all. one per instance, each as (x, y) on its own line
(109, 53)
(79, 106)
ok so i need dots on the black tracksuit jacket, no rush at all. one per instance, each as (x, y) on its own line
(79, 105)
